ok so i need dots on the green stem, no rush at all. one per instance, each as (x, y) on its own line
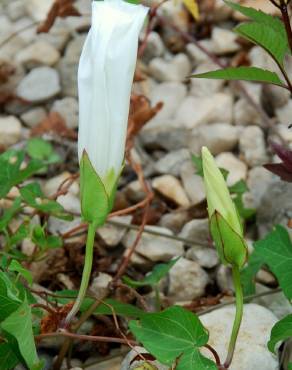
(85, 274)
(157, 298)
(238, 315)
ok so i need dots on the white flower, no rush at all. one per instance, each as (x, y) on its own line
(105, 77)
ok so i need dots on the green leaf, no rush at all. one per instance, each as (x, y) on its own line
(290, 366)
(10, 213)
(95, 204)
(243, 73)
(10, 163)
(174, 334)
(9, 296)
(281, 331)
(260, 17)
(33, 196)
(266, 37)
(197, 161)
(245, 213)
(275, 250)
(41, 149)
(44, 241)
(230, 245)
(239, 187)
(21, 233)
(19, 326)
(120, 309)
(17, 267)
(8, 359)
(249, 272)
(159, 271)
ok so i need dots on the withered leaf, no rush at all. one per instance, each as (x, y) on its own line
(54, 123)
(60, 8)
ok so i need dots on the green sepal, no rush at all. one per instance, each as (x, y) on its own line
(231, 247)
(95, 202)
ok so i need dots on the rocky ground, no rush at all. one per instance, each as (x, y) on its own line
(234, 120)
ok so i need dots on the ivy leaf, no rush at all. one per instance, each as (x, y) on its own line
(174, 334)
(159, 271)
(249, 272)
(9, 296)
(275, 250)
(281, 331)
(8, 359)
(244, 74)
(19, 325)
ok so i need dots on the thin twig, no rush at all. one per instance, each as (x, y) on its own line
(83, 337)
(232, 301)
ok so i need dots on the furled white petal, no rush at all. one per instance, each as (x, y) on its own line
(105, 76)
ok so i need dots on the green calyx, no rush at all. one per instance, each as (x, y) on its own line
(97, 197)
(231, 246)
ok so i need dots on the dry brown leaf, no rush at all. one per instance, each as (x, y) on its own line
(54, 123)
(50, 323)
(6, 70)
(60, 8)
(140, 113)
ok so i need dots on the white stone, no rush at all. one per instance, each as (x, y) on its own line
(252, 145)
(38, 53)
(276, 96)
(132, 360)
(251, 352)
(174, 13)
(38, 9)
(34, 116)
(192, 183)
(70, 202)
(202, 87)
(16, 9)
(258, 181)
(68, 109)
(99, 285)
(154, 46)
(197, 111)
(10, 130)
(196, 54)
(113, 234)
(206, 257)
(236, 168)
(153, 247)
(187, 281)
(284, 113)
(218, 137)
(58, 36)
(170, 187)
(284, 132)
(134, 191)
(175, 70)
(39, 85)
(15, 44)
(224, 41)
(171, 94)
(172, 162)
(196, 230)
(51, 186)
